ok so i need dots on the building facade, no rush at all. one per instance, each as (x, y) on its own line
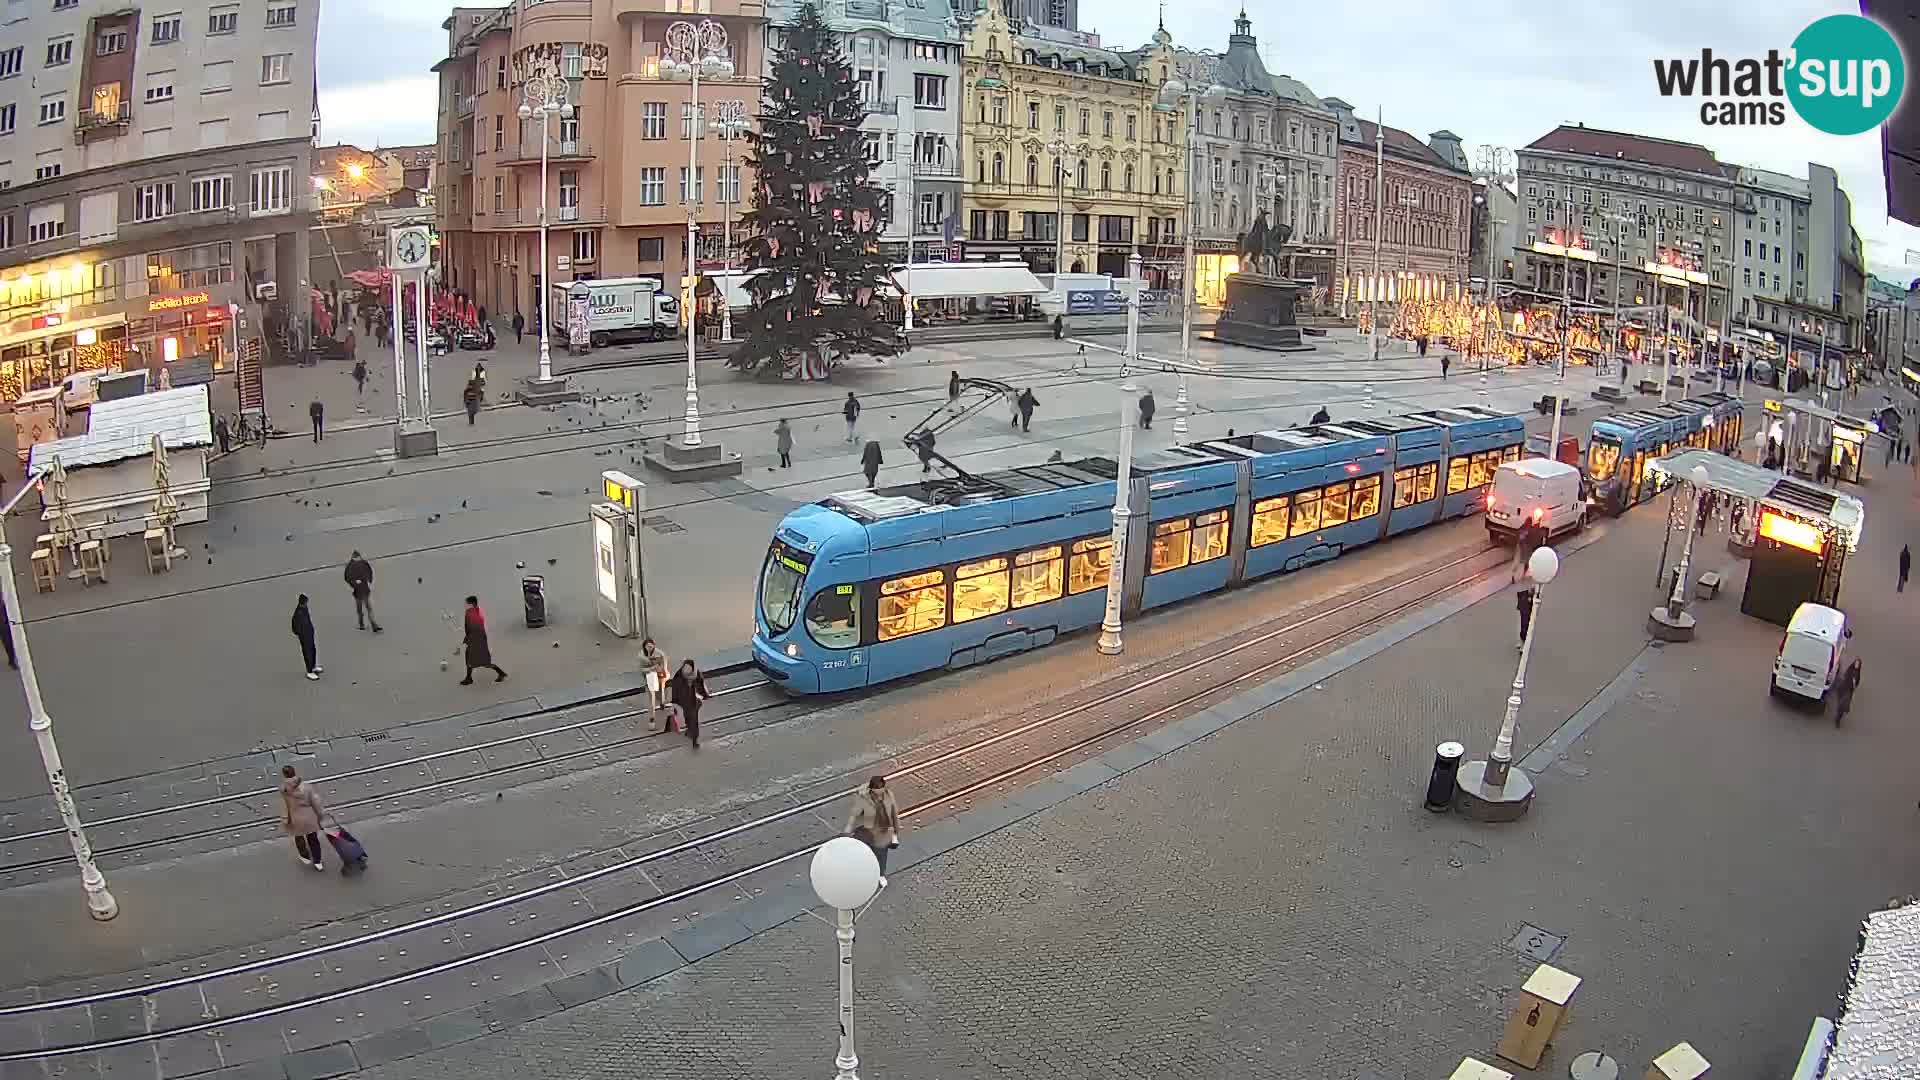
(1069, 159)
(906, 59)
(1409, 236)
(1800, 266)
(1495, 230)
(153, 177)
(1268, 144)
(618, 190)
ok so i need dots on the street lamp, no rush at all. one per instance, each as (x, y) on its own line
(845, 876)
(1059, 147)
(1110, 643)
(730, 124)
(546, 96)
(100, 903)
(1542, 567)
(1176, 91)
(694, 51)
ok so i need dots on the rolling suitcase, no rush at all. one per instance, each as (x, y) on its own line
(353, 854)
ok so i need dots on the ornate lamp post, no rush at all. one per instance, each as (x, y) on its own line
(846, 877)
(545, 95)
(1493, 790)
(730, 124)
(1110, 642)
(1187, 91)
(694, 51)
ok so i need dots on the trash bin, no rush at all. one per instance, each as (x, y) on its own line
(533, 590)
(1446, 767)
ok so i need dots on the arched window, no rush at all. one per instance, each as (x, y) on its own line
(980, 165)
(1156, 183)
(1033, 171)
(1106, 176)
(999, 167)
(1128, 181)
(1080, 176)
(1171, 190)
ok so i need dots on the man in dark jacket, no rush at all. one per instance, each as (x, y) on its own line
(1147, 408)
(6, 636)
(851, 411)
(303, 632)
(1026, 401)
(317, 413)
(870, 461)
(519, 325)
(470, 397)
(1906, 565)
(360, 580)
(1524, 600)
(479, 654)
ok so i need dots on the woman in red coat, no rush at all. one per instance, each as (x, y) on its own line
(478, 654)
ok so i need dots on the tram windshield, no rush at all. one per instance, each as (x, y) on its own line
(780, 582)
(1603, 459)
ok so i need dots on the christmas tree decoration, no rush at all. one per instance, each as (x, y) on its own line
(814, 276)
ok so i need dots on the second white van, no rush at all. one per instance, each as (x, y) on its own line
(1812, 653)
(1534, 492)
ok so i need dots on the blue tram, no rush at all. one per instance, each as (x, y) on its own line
(867, 586)
(1620, 445)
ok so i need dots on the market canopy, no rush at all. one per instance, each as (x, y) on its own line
(934, 281)
(1731, 476)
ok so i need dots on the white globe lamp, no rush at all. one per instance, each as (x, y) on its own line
(1543, 565)
(845, 873)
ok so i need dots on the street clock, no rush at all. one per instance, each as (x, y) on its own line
(412, 248)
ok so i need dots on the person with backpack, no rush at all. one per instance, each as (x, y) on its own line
(1027, 402)
(851, 411)
(300, 813)
(688, 689)
(875, 821)
(870, 461)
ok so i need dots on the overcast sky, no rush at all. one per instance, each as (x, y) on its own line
(1503, 72)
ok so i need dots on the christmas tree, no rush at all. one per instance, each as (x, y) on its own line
(813, 235)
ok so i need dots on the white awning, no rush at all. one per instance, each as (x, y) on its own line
(123, 429)
(933, 281)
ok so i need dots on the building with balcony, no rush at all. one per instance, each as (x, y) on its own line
(1407, 235)
(618, 191)
(906, 59)
(1269, 144)
(1063, 138)
(154, 172)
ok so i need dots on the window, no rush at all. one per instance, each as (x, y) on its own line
(1133, 125)
(1209, 536)
(213, 133)
(695, 194)
(499, 194)
(912, 604)
(1080, 182)
(499, 133)
(1090, 564)
(271, 190)
(281, 14)
(166, 28)
(47, 169)
(691, 125)
(1269, 521)
(653, 120)
(60, 51)
(1106, 124)
(1127, 183)
(1414, 484)
(223, 20)
(209, 193)
(109, 42)
(217, 76)
(653, 186)
(653, 249)
(500, 75)
(1481, 467)
(1086, 121)
(1038, 576)
(7, 114)
(1080, 222)
(152, 201)
(6, 231)
(833, 617)
(1171, 545)
(274, 68)
(979, 589)
(12, 61)
(1366, 497)
(1457, 471)
(160, 86)
(53, 109)
(1033, 115)
(46, 222)
(999, 111)
(586, 245)
(1059, 117)
(1106, 176)
(1306, 513)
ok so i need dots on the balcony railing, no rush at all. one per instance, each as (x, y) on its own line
(92, 121)
(528, 153)
(464, 106)
(882, 106)
(526, 217)
(937, 170)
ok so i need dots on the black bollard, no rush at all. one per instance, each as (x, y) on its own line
(1446, 766)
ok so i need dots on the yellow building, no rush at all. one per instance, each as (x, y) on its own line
(1056, 129)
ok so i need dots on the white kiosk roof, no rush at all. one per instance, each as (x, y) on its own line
(124, 428)
(1878, 1037)
(933, 281)
(1736, 477)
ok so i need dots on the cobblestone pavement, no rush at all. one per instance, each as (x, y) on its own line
(1272, 901)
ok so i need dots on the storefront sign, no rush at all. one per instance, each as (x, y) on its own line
(178, 301)
(1791, 532)
(549, 59)
(1111, 301)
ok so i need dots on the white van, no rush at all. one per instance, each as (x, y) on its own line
(1534, 492)
(1812, 653)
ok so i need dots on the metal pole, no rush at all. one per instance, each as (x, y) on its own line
(1181, 403)
(726, 281)
(1501, 759)
(1726, 341)
(1060, 218)
(1666, 343)
(399, 348)
(846, 1062)
(1566, 296)
(1379, 221)
(420, 306)
(1110, 642)
(692, 193)
(900, 108)
(1677, 601)
(100, 903)
(545, 300)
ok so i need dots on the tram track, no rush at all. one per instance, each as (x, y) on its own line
(1341, 619)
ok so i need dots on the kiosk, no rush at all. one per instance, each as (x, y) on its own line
(619, 591)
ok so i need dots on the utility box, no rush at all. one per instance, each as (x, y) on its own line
(619, 590)
(1542, 1008)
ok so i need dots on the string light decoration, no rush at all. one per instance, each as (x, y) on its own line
(813, 233)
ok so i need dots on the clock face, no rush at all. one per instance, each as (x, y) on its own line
(411, 247)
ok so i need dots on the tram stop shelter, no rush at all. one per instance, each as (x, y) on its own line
(1796, 535)
(1811, 430)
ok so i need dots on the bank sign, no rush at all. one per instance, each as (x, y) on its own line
(1843, 75)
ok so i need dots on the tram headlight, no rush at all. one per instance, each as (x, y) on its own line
(793, 649)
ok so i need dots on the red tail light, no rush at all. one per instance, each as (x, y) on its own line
(1537, 515)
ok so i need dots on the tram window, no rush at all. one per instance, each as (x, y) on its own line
(1457, 470)
(1429, 480)
(913, 604)
(1171, 546)
(1038, 576)
(1269, 522)
(1366, 497)
(1306, 513)
(1511, 453)
(1091, 563)
(1480, 468)
(1335, 499)
(833, 616)
(1406, 486)
(979, 589)
(1602, 459)
(1209, 536)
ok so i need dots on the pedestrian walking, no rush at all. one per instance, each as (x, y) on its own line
(223, 434)
(851, 412)
(1146, 411)
(360, 377)
(359, 577)
(482, 314)
(519, 325)
(653, 662)
(953, 390)
(317, 413)
(470, 397)
(480, 376)
(783, 442)
(870, 461)
(6, 636)
(303, 633)
(1625, 368)
(1524, 600)
(474, 642)
(1013, 407)
(300, 813)
(1059, 328)
(1027, 403)
(875, 821)
(1446, 361)
(1843, 693)
(1421, 341)
(1906, 564)
(925, 446)
(688, 688)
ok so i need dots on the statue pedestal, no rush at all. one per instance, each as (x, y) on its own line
(1260, 313)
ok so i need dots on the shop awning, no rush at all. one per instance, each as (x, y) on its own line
(934, 281)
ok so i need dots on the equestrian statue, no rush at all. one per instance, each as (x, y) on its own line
(1261, 247)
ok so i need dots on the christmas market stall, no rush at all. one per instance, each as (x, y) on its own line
(110, 472)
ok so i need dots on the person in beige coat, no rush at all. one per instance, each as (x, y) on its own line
(875, 820)
(300, 813)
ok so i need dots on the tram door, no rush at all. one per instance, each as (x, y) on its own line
(1639, 473)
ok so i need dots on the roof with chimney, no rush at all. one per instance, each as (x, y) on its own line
(1620, 146)
(1400, 144)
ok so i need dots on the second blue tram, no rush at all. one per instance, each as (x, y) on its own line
(867, 586)
(1620, 445)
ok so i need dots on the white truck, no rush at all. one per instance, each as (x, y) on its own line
(618, 309)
